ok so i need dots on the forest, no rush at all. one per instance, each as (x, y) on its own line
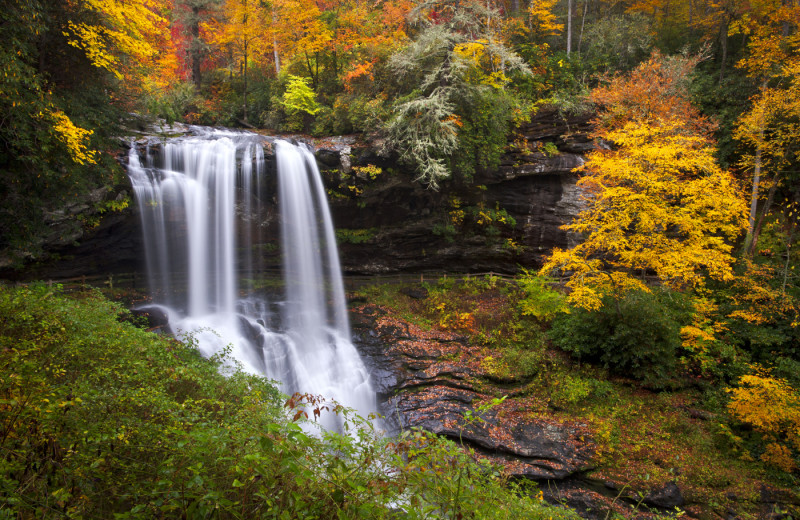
(683, 283)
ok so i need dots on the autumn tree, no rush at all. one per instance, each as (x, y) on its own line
(362, 34)
(715, 21)
(771, 407)
(302, 36)
(657, 203)
(541, 19)
(770, 127)
(189, 16)
(66, 65)
(242, 30)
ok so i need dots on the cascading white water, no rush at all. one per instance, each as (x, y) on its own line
(189, 202)
(315, 309)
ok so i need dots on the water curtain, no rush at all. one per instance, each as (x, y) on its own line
(202, 202)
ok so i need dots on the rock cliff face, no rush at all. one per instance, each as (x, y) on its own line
(392, 224)
(387, 222)
(434, 380)
(430, 379)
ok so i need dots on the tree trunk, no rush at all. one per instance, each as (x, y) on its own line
(723, 42)
(757, 230)
(749, 241)
(244, 76)
(751, 221)
(569, 27)
(311, 71)
(275, 53)
(194, 50)
(583, 23)
(787, 264)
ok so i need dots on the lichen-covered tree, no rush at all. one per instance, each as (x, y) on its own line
(454, 81)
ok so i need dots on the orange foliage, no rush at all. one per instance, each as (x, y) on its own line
(655, 91)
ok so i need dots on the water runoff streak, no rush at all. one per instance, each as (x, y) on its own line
(201, 201)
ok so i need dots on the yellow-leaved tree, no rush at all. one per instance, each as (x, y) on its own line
(111, 31)
(657, 204)
(772, 408)
(771, 125)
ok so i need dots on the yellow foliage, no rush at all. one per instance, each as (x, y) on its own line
(756, 301)
(779, 456)
(484, 68)
(541, 18)
(73, 137)
(771, 406)
(657, 203)
(242, 29)
(701, 337)
(298, 28)
(126, 28)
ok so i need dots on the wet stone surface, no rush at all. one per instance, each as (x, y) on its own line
(430, 380)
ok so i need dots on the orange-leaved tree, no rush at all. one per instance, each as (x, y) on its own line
(242, 31)
(362, 34)
(301, 35)
(657, 204)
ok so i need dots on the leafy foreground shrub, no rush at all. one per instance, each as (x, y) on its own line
(102, 420)
(637, 335)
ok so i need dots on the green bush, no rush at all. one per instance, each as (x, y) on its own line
(569, 391)
(485, 120)
(538, 299)
(637, 335)
(174, 103)
(103, 420)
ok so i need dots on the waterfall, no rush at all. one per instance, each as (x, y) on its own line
(201, 202)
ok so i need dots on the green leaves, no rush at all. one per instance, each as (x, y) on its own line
(103, 420)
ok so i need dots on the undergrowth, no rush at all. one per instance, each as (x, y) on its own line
(654, 419)
(103, 420)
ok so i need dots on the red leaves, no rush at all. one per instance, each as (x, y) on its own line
(298, 400)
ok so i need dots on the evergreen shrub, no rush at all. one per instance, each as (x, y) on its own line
(637, 335)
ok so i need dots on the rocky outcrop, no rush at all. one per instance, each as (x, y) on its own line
(81, 241)
(512, 218)
(388, 222)
(435, 381)
(432, 380)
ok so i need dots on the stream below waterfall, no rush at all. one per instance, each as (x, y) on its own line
(202, 204)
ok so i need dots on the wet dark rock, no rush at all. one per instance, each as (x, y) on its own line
(328, 157)
(424, 381)
(668, 497)
(587, 502)
(154, 316)
(777, 504)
